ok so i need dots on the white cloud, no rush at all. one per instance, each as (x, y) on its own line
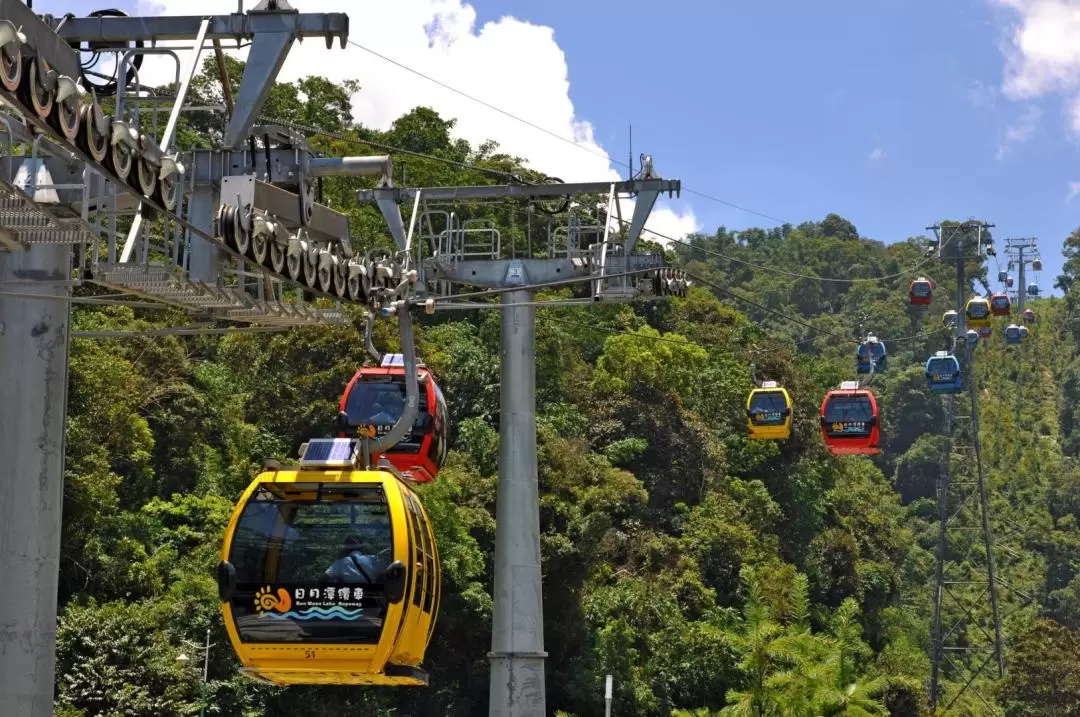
(1019, 131)
(510, 63)
(1042, 52)
(1074, 191)
(876, 155)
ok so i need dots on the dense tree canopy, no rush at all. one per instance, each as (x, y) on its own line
(708, 573)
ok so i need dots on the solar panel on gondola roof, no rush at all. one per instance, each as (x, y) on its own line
(329, 451)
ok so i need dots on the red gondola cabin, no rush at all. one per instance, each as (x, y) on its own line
(375, 399)
(921, 291)
(850, 421)
(1000, 305)
(1029, 316)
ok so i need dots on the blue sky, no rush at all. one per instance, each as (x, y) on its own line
(892, 113)
(779, 107)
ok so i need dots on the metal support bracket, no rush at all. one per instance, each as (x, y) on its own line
(267, 55)
(170, 129)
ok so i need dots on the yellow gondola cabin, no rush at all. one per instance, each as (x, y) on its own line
(768, 412)
(330, 575)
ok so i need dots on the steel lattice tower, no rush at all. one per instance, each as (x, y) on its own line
(967, 648)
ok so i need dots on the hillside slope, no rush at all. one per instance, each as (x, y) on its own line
(703, 570)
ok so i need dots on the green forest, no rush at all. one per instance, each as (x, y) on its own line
(709, 574)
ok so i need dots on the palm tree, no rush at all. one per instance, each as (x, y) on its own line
(794, 673)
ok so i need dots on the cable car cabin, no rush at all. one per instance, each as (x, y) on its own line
(1032, 289)
(977, 312)
(921, 291)
(943, 373)
(1023, 334)
(768, 412)
(1013, 335)
(849, 420)
(330, 575)
(374, 400)
(871, 354)
(1029, 316)
(948, 319)
(1000, 305)
(1003, 276)
(986, 331)
(1009, 283)
(971, 338)
(1037, 265)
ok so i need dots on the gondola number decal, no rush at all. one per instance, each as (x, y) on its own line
(309, 654)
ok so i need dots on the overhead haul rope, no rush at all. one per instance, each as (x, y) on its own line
(390, 148)
(556, 135)
(604, 155)
(382, 146)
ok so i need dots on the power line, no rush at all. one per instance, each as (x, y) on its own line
(623, 332)
(390, 148)
(551, 133)
(716, 287)
(515, 178)
(490, 106)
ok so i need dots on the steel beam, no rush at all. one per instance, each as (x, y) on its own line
(210, 165)
(170, 128)
(325, 224)
(517, 634)
(519, 272)
(375, 166)
(387, 199)
(185, 27)
(525, 191)
(508, 272)
(642, 209)
(205, 256)
(34, 349)
(265, 58)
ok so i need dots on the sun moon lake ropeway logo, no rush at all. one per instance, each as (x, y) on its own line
(265, 600)
(311, 603)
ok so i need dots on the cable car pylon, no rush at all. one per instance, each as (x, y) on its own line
(967, 644)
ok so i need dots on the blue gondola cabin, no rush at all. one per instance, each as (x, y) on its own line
(943, 373)
(871, 354)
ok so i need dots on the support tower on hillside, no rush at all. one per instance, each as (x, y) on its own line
(558, 235)
(967, 647)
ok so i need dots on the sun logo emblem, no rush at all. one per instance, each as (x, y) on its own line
(266, 600)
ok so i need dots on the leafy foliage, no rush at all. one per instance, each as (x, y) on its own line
(709, 574)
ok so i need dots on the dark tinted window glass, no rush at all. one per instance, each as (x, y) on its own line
(380, 402)
(767, 408)
(848, 416)
(942, 368)
(309, 561)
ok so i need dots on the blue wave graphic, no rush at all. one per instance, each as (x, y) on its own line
(320, 613)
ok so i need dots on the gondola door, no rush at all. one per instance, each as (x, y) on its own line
(420, 594)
